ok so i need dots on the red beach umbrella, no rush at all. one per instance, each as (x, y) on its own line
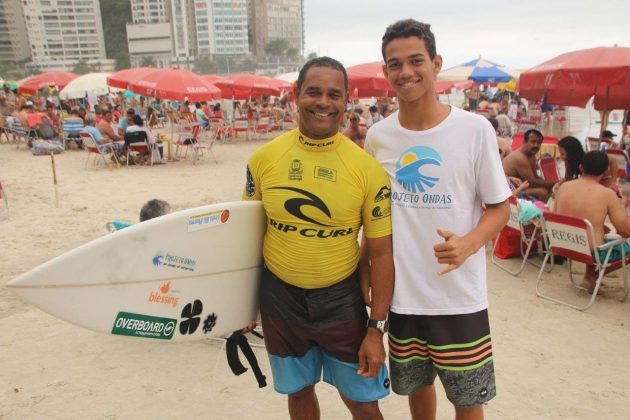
(211, 77)
(246, 85)
(174, 84)
(50, 78)
(122, 78)
(369, 80)
(574, 77)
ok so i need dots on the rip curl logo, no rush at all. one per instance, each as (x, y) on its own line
(294, 205)
(409, 166)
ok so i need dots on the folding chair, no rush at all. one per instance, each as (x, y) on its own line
(200, 143)
(19, 133)
(187, 132)
(548, 169)
(621, 156)
(222, 128)
(71, 131)
(262, 126)
(572, 237)
(528, 235)
(138, 142)
(242, 125)
(99, 150)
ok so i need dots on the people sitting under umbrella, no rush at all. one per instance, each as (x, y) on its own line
(138, 125)
(522, 164)
(90, 127)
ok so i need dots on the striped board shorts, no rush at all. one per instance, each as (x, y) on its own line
(457, 348)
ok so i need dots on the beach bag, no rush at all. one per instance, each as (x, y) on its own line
(46, 129)
(46, 147)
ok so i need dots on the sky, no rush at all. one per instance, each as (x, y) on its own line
(517, 34)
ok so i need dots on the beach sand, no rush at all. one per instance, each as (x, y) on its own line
(551, 362)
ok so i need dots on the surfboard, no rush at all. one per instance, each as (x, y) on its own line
(187, 275)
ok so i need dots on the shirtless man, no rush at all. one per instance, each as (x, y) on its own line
(522, 164)
(105, 127)
(602, 203)
(354, 131)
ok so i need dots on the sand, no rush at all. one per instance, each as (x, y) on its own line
(551, 361)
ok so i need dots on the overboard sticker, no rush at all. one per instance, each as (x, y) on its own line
(146, 326)
(207, 220)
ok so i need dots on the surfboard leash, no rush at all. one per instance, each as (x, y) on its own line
(234, 342)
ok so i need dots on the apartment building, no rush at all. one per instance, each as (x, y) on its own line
(221, 27)
(63, 32)
(14, 47)
(276, 19)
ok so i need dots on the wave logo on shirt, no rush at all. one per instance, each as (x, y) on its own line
(409, 168)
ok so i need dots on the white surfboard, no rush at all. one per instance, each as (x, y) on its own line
(184, 276)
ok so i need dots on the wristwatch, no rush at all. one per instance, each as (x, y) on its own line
(382, 326)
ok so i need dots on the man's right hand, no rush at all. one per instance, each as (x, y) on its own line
(249, 328)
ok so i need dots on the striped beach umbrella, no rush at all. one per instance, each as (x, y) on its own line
(479, 70)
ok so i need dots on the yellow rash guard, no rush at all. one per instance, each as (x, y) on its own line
(317, 194)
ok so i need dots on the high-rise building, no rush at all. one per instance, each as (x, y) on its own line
(150, 36)
(221, 27)
(276, 19)
(13, 37)
(62, 33)
(149, 11)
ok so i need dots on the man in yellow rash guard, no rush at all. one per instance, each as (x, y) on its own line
(318, 188)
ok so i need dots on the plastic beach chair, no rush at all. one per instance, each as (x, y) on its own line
(572, 237)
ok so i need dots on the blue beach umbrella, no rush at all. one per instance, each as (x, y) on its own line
(129, 94)
(479, 70)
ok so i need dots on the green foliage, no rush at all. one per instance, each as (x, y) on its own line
(311, 55)
(292, 52)
(115, 14)
(83, 68)
(277, 47)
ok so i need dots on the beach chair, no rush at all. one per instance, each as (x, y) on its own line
(138, 142)
(202, 142)
(100, 151)
(572, 237)
(262, 126)
(621, 156)
(222, 128)
(242, 125)
(71, 131)
(19, 133)
(548, 169)
(528, 235)
(188, 130)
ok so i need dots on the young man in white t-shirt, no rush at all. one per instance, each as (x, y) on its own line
(443, 165)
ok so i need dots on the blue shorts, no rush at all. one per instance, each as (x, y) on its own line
(615, 255)
(312, 334)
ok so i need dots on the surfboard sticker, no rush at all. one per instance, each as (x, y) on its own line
(207, 220)
(145, 326)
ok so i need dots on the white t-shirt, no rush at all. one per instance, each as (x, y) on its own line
(440, 177)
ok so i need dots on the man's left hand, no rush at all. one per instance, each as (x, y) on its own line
(453, 251)
(371, 354)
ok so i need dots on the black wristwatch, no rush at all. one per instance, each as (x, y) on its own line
(382, 326)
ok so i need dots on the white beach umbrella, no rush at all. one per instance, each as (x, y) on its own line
(288, 77)
(91, 83)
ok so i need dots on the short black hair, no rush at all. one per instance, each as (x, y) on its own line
(322, 62)
(406, 29)
(137, 120)
(595, 163)
(529, 132)
(154, 208)
(494, 122)
(373, 108)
